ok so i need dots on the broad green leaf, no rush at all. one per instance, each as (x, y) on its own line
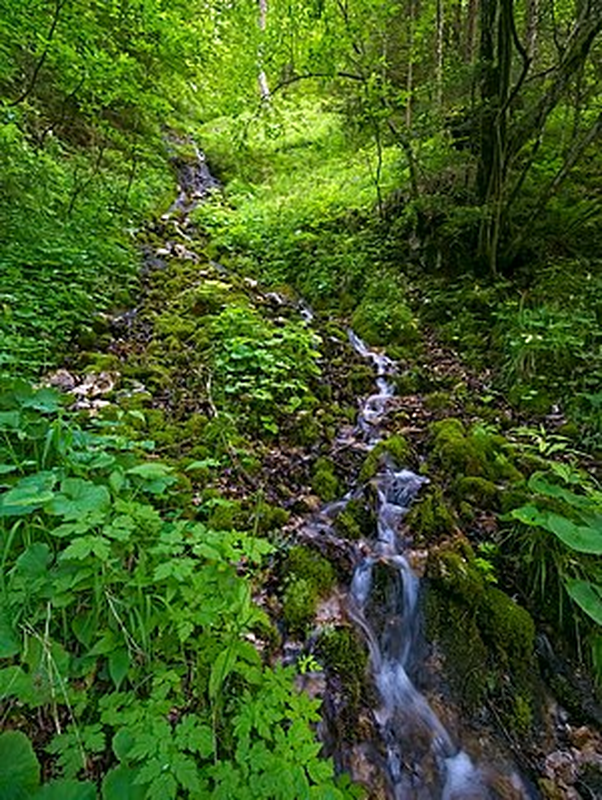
(28, 494)
(80, 498)
(120, 784)
(119, 664)
(19, 767)
(12, 682)
(150, 470)
(66, 790)
(588, 597)
(10, 644)
(582, 538)
(34, 562)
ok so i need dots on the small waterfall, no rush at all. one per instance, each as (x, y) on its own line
(422, 759)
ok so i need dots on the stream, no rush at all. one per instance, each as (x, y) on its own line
(422, 760)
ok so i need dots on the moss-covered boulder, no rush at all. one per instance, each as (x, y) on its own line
(431, 517)
(477, 452)
(345, 658)
(324, 480)
(478, 492)
(307, 576)
(396, 447)
(355, 520)
(487, 638)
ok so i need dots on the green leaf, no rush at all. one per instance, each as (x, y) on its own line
(119, 664)
(19, 767)
(80, 498)
(582, 538)
(222, 667)
(588, 597)
(10, 644)
(66, 790)
(151, 470)
(28, 494)
(120, 784)
(85, 546)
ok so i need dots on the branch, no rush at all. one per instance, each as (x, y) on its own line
(60, 4)
(573, 156)
(309, 75)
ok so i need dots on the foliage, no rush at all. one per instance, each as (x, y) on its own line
(264, 368)
(124, 622)
(563, 538)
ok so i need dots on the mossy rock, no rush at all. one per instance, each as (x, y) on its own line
(508, 628)
(451, 566)
(396, 447)
(487, 638)
(324, 480)
(475, 453)
(430, 517)
(479, 492)
(227, 515)
(299, 605)
(303, 562)
(266, 518)
(355, 521)
(308, 576)
(360, 379)
(454, 628)
(438, 401)
(383, 317)
(344, 654)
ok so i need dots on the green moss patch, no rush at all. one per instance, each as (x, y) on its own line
(396, 446)
(488, 639)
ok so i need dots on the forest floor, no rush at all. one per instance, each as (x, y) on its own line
(256, 404)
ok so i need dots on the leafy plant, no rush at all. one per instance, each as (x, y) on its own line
(567, 506)
(124, 625)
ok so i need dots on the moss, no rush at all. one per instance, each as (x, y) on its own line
(451, 566)
(475, 453)
(308, 577)
(508, 628)
(360, 379)
(453, 626)
(227, 515)
(477, 491)
(430, 518)
(438, 401)
(487, 638)
(383, 316)
(396, 446)
(303, 562)
(346, 659)
(324, 481)
(299, 605)
(267, 518)
(356, 520)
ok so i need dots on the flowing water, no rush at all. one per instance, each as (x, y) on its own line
(422, 760)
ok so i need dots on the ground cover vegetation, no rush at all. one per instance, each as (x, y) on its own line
(425, 172)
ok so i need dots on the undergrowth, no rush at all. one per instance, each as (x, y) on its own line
(125, 630)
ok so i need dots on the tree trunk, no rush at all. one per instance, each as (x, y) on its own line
(264, 89)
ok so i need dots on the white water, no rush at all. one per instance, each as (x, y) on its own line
(436, 768)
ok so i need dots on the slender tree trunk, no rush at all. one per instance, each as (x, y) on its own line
(410, 75)
(439, 54)
(264, 89)
(472, 15)
(533, 11)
